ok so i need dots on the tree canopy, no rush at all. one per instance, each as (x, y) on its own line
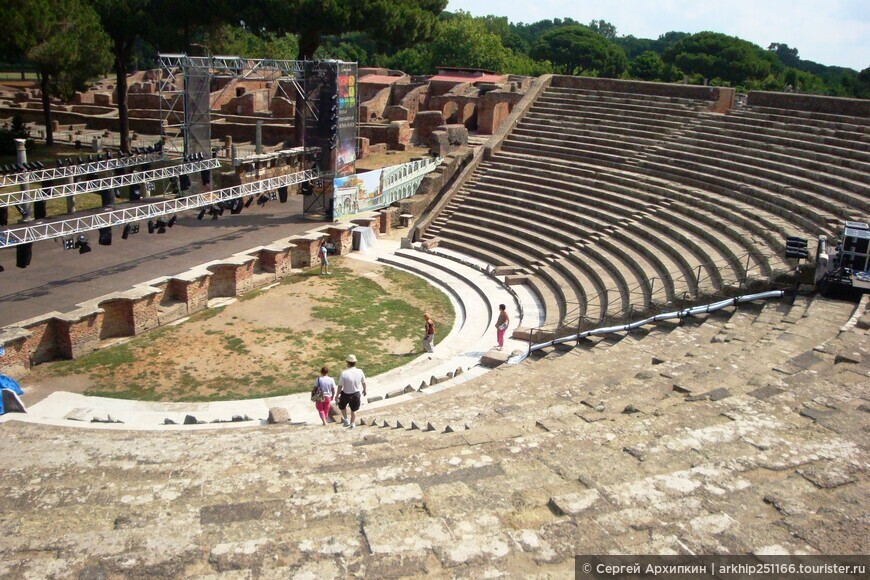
(718, 56)
(396, 23)
(576, 49)
(62, 39)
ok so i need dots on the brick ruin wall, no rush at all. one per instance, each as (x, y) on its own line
(810, 103)
(67, 336)
(721, 98)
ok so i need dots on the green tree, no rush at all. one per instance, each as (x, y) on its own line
(862, 84)
(239, 40)
(176, 25)
(578, 50)
(345, 51)
(397, 23)
(414, 61)
(500, 26)
(530, 33)
(464, 41)
(718, 56)
(667, 40)
(604, 28)
(648, 66)
(634, 47)
(523, 64)
(788, 56)
(63, 40)
(123, 20)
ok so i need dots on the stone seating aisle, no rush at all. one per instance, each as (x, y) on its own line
(569, 455)
(642, 188)
(815, 175)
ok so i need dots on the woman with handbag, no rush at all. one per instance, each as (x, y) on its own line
(323, 393)
(501, 325)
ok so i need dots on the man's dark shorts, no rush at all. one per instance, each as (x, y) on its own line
(352, 399)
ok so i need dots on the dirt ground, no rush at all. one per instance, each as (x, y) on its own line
(379, 160)
(270, 342)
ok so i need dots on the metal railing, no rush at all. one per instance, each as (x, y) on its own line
(40, 175)
(28, 234)
(701, 286)
(94, 185)
(679, 315)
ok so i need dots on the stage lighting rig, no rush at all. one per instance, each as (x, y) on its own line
(128, 230)
(23, 255)
(83, 244)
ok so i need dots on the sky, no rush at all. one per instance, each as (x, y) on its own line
(830, 32)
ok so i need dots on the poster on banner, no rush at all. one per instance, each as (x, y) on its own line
(348, 117)
(357, 193)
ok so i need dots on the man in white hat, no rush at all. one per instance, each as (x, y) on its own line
(350, 382)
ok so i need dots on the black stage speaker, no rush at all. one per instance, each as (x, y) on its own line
(23, 255)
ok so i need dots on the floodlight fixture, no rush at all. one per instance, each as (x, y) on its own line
(83, 244)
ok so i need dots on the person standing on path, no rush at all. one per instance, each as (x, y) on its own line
(429, 334)
(501, 325)
(326, 386)
(324, 259)
(350, 382)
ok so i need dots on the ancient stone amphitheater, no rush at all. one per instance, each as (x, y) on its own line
(741, 431)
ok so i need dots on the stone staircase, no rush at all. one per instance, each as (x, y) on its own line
(608, 203)
(738, 432)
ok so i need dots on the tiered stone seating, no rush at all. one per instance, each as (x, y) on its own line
(722, 435)
(614, 189)
(813, 170)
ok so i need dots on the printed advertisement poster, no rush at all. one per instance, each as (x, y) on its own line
(348, 117)
(357, 193)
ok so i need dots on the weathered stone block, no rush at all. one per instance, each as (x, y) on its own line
(438, 143)
(425, 122)
(457, 136)
(572, 504)
(398, 135)
(278, 415)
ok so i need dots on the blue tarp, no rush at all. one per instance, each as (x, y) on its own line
(7, 383)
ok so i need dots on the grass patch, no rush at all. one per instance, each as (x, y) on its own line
(378, 317)
(235, 344)
(106, 359)
(206, 314)
(250, 296)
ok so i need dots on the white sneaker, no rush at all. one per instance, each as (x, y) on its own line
(352, 425)
(345, 422)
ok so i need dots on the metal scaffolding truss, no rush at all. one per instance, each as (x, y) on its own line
(36, 233)
(264, 69)
(41, 175)
(69, 189)
(180, 72)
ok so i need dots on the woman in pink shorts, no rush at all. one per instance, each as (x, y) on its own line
(326, 385)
